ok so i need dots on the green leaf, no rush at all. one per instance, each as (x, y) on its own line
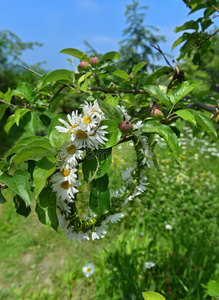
(114, 133)
(19, 183)
(89, 165)
(3, 108)
(56, 75)
(24, 90)
(83, 77)
(156, 92)
(2, 198)
(122, 74)
(76, 53)
(46, 208)
(213, 288)
(114, 101)
(44, 168)
(186, 115)
(205, 123)
(21, 207)
(99, 201)
(161, 72)
(137, 68)
(111, 111)
(57, 139)
(55, 101)
(152, 296)
(15, 118)
(179, 41)
(110, 56)
(182, 90)
(188, 25)
(166, 133)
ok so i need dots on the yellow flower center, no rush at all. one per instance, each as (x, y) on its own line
(87, 120)
(65, 185)
(71, 149)
(88, 269)
(72, 127)
(82, 134)
(65, 172)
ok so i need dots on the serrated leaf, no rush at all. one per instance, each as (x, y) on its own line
(153, 77)
(44, 168)
(23, 90)
(187, 25)
(55, 101)
(56, 75)
(152, 296)
(15, 118)
(182, 90)
(19, 183)
(110, 56)
(157, 93)
(122, 74)
(76, 53)
(21, 207)
(166, 133)
(111, 111)
(99, 201)
(137, 68)
(186, 115)
(89, 165)
(46, 208)
(205, 123)
(114, 101)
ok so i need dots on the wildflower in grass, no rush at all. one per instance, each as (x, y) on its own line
(88, 269)
(168, 227)
(149, 264)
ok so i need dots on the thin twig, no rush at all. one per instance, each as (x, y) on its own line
(207, 38)
(32, 71)
(3, 101)
(107, 91)
(212, 5)
(157, 47)
(215, 16)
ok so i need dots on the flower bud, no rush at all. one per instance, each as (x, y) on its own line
(94, 61)
(131, 76)
(156, 114)
(84, 65)
(126, 126)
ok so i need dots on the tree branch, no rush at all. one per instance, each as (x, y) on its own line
(3, 101)
(106, 91)
(214, 7)
(157, 47)
(32, 71)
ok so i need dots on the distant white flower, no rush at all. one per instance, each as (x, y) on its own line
(168, 227)
(114, 218)
(149, 264)
(99, 232)
(88, 269)
(125, 114)
(137, 125)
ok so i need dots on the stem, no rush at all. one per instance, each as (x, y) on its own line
(32, 71)
(214, 7)
(3, 101)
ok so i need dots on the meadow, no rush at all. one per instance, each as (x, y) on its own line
(173, 225)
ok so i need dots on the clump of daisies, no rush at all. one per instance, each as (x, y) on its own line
(86, 132)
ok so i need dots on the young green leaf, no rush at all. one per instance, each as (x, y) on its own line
(187, 25)
(56, 75)
(110, 56)
(137, 68)
(99, 201)
(113, 112)
(122, 74)
(166, 133)
(15, 118)
(55, 101)
(182, 90)
(186, 115)
(76, 53)
(24, 90)
(152, 296)
(83, 77)
(157, 74)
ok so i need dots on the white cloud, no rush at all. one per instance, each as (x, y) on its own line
(89, 5)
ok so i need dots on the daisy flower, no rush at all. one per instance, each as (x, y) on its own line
(99, 232)
(65, 174)
(126, 116)
(62, 219)
(114, 218)
(149, 264)
(88, 270)
(70, 154)
(74, 122)
(168, 227)
(92, 110)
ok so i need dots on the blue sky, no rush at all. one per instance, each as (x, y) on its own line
(67, 23)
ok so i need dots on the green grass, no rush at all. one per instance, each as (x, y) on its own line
(38, 263)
